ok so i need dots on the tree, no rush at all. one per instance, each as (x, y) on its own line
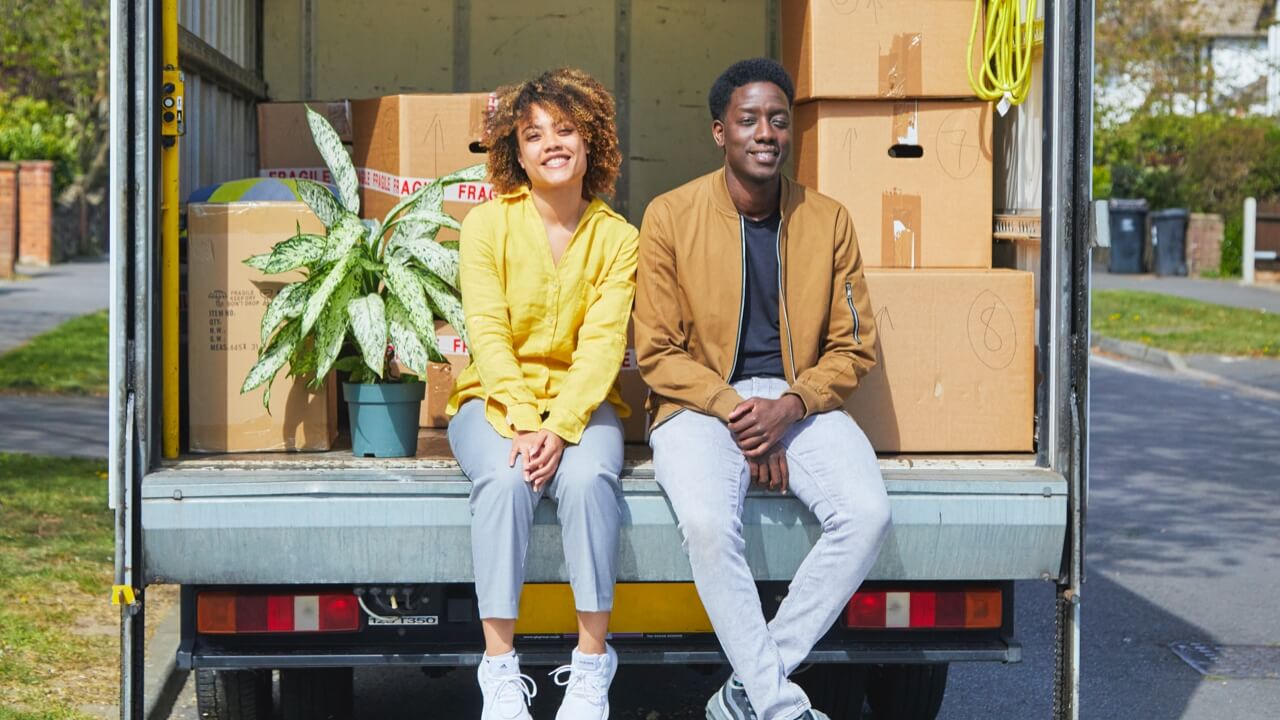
(58, 51)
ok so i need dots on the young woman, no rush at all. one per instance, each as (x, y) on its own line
(548, 278)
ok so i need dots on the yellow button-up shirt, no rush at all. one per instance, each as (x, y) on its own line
(547, 340)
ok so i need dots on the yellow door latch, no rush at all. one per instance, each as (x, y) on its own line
(172, 124)
(123, 592)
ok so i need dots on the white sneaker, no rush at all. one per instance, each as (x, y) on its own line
(586, 694)
(507, 693)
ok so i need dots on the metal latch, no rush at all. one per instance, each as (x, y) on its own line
(172, 122)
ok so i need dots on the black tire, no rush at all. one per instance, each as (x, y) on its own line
(837, 690)
(316, 694)
(233, 694)
(906, 692)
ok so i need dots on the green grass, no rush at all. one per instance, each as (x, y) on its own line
(1185, 326)
(69, 359)
(58, 637)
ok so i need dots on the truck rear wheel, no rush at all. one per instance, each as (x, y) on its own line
(908, 692)
(837, 690)
(316, 694)
(233, 694)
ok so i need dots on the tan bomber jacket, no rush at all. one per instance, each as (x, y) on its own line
(689, 299)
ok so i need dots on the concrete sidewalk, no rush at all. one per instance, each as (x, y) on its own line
(1260, 373)
(1221, 292)
(45, 297)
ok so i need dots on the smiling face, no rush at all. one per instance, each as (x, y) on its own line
(552, 152)
(755, 132)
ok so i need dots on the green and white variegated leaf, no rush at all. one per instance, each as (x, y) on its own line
(373, 230)
(447, 302)
(343, 237)
(321, 201)
(434, 257)
(408, 290)
(331, 330)
(369, 325)
(336, 158)
(290, 254)
(430, 195)
(319, 300)
(271, 359)
(439, 218)
(413, 349)
(475, 173)
(287, 304)
(453, 245)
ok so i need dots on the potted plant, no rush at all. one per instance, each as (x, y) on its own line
(367, 303)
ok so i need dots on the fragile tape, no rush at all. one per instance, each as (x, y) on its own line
(318, 174)
(384, 182)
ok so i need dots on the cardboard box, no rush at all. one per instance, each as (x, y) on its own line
(285, 147)
(441, 377)
(403, 142)
(915, 176)
(226, 299)
(635, 394)
(957, 362)
(861, 50)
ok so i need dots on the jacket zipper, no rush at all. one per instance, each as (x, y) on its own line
(782, 297)
(848, 295)
(742, 297)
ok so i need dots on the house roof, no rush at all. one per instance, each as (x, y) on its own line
(1232, 18)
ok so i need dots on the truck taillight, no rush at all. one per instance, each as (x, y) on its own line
(973, 609)
(225, 613)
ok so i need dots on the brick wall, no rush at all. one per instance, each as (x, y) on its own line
(1204, 243)
(35, 212)
(8, 218)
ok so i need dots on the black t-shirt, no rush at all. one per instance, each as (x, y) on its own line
(759, 345)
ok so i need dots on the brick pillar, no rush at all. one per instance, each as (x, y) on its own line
(35, 212)
(8, 219)
(1204, 243)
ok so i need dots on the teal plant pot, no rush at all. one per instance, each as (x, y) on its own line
(384, 418)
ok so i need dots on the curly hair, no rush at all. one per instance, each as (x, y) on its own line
(567, 94)
(745, 72)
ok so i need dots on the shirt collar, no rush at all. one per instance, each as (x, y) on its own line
(596, 205)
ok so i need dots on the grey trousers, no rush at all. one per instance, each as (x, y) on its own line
(586, 491)
(834, 472)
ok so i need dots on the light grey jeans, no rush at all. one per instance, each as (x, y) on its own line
(834, 472)
(585, 489)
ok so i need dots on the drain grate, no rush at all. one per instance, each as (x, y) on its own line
(1231, 661)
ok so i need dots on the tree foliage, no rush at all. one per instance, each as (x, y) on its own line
(54, 70)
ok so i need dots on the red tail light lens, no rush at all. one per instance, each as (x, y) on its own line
(226, 613)
(969, 609)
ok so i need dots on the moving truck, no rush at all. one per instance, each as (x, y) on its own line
(299, 567)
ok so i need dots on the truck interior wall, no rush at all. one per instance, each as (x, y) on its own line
(659, 60)
(221, 138)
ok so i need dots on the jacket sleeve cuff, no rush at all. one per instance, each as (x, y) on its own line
(723, 402)
(564, 424)
(524, 418)
(808, 398)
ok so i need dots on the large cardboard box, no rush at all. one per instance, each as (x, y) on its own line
(915, 176)
(403, 142)
(957, 362)
(226, 299)
(285, 147)
(860, 50)
(441, 377)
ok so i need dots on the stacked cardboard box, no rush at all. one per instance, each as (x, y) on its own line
(403, 142)
(226, 300)
(285, 148)
(886, 124)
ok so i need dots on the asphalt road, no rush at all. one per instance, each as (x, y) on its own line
(1183, 519)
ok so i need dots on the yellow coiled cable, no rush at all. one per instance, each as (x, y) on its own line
(1006, 53)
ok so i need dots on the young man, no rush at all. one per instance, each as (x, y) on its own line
(752, 326)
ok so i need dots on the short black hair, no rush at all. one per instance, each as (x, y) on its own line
(745, 72)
